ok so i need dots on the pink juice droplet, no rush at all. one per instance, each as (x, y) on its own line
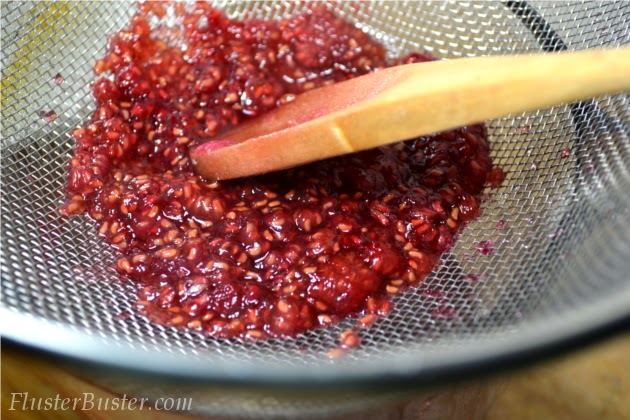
(122, 316)
(445, 310)
(486, 247)
(472, 278)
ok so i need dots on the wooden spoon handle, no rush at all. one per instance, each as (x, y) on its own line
(409, 101)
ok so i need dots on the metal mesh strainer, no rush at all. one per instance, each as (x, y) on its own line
(561, 261)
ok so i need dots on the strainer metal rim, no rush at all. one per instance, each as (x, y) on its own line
(590, 323)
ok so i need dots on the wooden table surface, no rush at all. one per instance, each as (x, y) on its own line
(593, 383)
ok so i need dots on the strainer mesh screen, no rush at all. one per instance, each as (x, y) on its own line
(564, 241)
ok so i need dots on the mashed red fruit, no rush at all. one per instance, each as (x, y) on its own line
(273, 255)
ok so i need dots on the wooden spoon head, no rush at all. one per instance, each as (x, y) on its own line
(296, 133)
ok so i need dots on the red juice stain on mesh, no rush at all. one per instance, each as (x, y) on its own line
(47, 116)
(266, 256)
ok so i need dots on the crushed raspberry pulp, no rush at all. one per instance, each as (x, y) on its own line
(273, 255)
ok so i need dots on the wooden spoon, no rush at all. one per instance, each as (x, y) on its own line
(408, 101)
